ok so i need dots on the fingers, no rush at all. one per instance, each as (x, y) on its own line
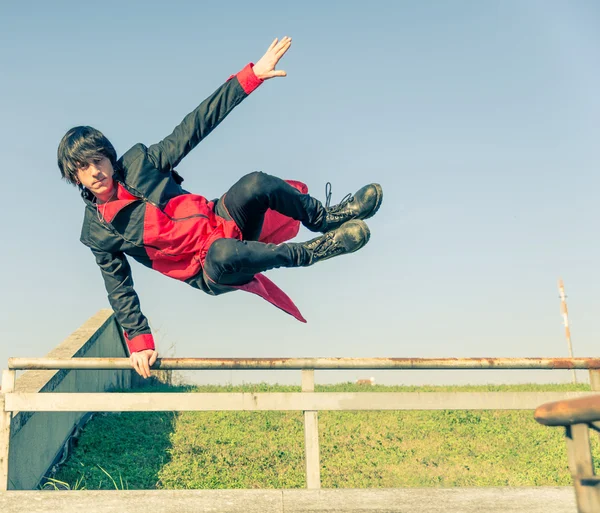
(141, 362)
(265, 66)
(285, 40)
(283, 47)
(145, 367)
(135, 363)
(278, 48)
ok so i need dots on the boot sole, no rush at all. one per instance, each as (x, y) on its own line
(379, 191)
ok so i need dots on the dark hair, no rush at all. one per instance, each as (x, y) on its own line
(79, 147)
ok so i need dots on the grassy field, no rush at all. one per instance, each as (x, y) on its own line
(358, 449)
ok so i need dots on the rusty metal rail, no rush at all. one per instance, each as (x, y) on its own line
(585, 410)
(311, 363)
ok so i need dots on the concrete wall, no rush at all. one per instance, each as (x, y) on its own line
(37, 438)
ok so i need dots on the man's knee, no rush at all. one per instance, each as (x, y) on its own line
(222, 252)
(258, 182)
(224, 261)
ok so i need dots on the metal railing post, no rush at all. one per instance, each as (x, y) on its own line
(595, 379)
(311, 436)
(8, 385)
(595, 382)
(581, 466)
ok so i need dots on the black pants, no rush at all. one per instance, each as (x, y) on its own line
(235, 262)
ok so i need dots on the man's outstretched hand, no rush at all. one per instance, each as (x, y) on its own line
(141, 361)
(265, 67)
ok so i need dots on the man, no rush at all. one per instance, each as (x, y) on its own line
(136, 206)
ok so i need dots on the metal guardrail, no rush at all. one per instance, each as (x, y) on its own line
(307, 400)
(311, 363)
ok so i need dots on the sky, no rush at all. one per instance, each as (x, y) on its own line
(479, 120)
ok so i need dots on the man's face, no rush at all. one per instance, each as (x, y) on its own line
(97, 177)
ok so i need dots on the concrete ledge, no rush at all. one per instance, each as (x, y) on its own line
(37, 438)
(412, 500)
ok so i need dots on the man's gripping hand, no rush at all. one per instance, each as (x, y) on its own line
(141, 361)
(265, 67)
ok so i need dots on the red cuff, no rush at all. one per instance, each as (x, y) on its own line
(139, 343)
(247, 79)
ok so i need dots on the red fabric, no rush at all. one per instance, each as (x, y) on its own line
(139, 343)
(177, 239)
(247, 79)
(109, 210)
(265, 288)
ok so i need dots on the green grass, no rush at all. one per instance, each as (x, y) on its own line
(358, 449)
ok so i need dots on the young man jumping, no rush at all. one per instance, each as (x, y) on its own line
(135, 206)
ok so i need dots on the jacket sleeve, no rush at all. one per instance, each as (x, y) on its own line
(124, 300)
(203, 120)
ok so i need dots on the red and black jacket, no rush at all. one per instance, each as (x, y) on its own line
(164, 227)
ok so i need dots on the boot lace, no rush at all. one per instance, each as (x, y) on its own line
(348, 198)
(326, 245)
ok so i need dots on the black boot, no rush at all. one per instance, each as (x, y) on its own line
(348, 238)
(362, 205)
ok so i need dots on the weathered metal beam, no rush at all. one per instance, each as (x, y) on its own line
(567, 412)
(311, 363)
(282, 401)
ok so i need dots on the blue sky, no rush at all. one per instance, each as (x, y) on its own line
(479, 119)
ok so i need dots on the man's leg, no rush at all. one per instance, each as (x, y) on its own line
(249, 199)
(235, 262)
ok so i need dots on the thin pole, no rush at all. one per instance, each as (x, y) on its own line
(565, 313)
